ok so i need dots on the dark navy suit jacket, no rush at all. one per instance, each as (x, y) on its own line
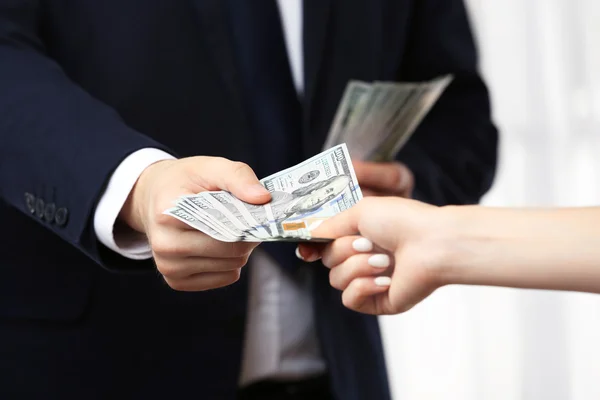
(84, 83)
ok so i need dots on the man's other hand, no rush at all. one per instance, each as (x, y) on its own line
(384, 179)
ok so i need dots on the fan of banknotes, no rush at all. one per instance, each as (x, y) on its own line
(303, 196)
(373, 122)
(376, 119)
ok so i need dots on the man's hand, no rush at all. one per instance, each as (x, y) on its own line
(384, 179)
(188, 259)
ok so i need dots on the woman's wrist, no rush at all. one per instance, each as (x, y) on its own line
(470, 244)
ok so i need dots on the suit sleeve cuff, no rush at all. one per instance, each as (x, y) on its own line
(128, 243)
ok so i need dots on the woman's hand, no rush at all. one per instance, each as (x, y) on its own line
(388, 255)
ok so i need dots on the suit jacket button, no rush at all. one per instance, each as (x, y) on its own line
(61, 216)
(40, 207)
(49, 212)
(30, 202)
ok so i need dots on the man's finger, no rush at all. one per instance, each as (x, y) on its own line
(391, 177)
(405, 192)
(407, 181)
(183, 268)
(206, 281)
(366, 192)
(310, 252)
(172, 243)
(218, 173)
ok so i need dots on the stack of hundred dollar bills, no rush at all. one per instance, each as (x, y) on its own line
(303, 196)
(376, 119)
(373, 122)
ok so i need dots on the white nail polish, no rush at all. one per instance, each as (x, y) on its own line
(362, 245)
(298, 253)
(383, 281)
(379, 261)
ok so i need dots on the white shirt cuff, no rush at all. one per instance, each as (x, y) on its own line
(130, 244)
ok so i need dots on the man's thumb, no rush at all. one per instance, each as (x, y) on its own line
(238, 179)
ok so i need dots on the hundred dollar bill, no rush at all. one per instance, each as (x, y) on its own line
(302, 197)
(194, 222)
(220, 220)
(376, 119)
(254, 215)
(403, 128)
(212, 219)
(239, 212)
(381, 107)
(384, 110)
(355, 91)
(397, 104)
(367, 145)
(309, 193)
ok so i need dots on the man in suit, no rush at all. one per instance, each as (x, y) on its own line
(109, 110)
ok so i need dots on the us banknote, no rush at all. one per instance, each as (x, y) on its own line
(375, 120)
(302, 197)
(305, 195)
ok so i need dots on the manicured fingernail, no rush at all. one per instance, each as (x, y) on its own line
(379, 261)
(257, 190)
(362, 245)
(298, 254)
(383, 281)
(311, 257)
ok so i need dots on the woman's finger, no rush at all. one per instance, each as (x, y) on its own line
(366, 295)
(358, 266)
(341, 249)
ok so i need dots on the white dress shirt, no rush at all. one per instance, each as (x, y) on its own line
(280, 340)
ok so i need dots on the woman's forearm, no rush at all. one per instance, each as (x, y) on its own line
(528, 248)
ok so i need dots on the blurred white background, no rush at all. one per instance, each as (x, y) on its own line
(541, 59)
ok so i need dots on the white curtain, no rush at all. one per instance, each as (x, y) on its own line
(541, 59)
